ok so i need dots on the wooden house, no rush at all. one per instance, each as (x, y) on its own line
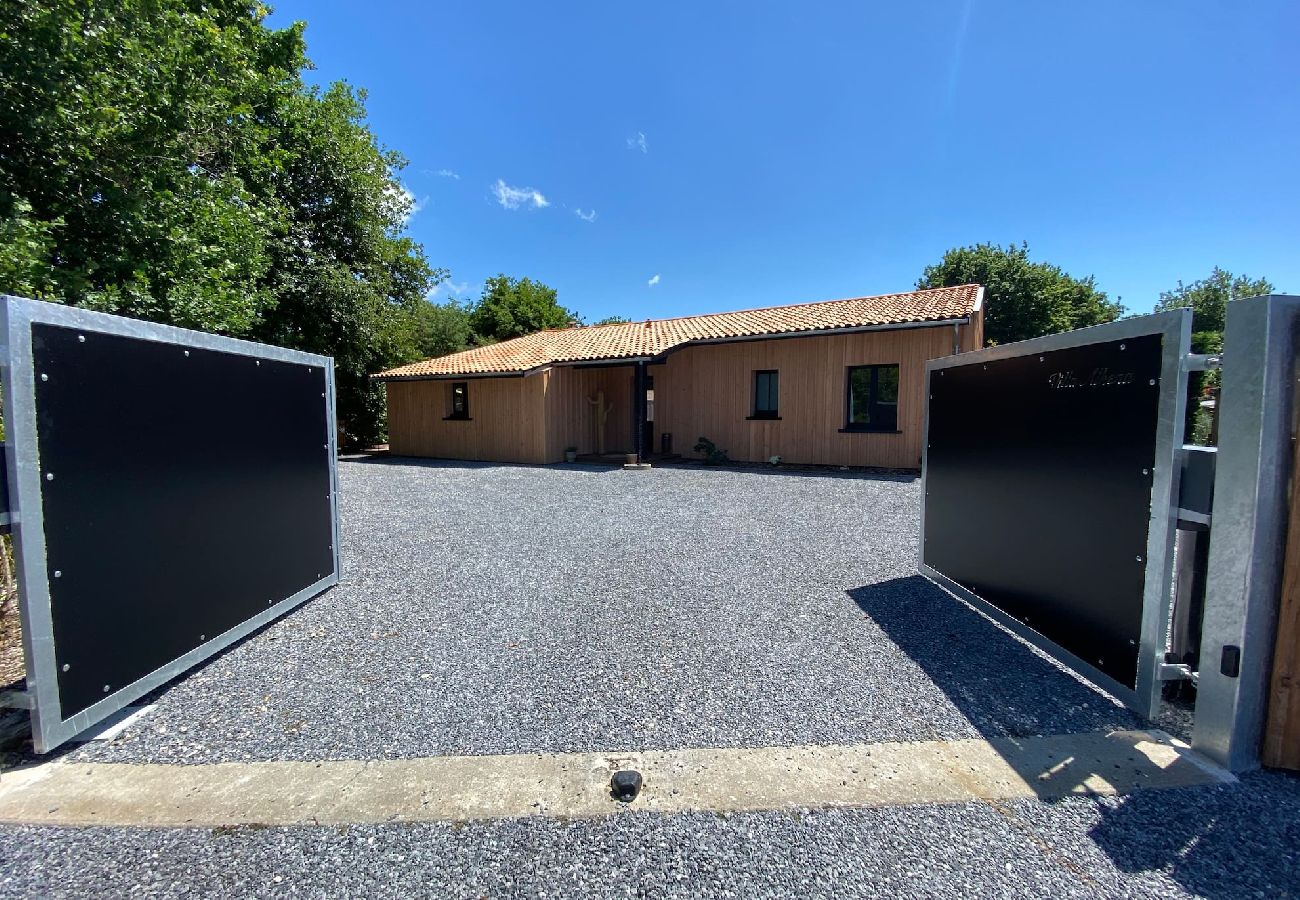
(838, 382)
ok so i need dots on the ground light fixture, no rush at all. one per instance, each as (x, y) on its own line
(625, 785)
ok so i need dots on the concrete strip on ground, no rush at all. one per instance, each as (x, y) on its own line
(462, 788)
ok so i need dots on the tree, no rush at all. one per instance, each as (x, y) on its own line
(116, 172)
(344, 280)
(1208, 300)
(510, 308)
(163, 159)
(440, 328)
(1022, 299)
(612, 320)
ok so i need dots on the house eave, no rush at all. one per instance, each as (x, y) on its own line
(463, 376)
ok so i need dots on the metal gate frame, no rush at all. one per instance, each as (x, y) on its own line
(1175, 328)
(1248, 527)
(22, 469)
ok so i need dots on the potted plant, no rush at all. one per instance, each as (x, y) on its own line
(570, 454)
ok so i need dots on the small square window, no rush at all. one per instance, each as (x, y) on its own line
(766, 391)
(872, 398)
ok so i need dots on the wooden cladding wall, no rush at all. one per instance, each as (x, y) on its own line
(506, 424)
(972, 335)
(571, 416)
(707, 391)
(703, 390)
(1281, 746)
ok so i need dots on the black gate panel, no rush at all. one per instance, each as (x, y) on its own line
(1039, 475)
(183, 489)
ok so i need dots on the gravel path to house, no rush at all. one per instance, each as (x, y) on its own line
(494, 609)
(1224, 842)
(490, 609)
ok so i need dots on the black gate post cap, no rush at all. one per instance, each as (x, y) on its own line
(625, 785)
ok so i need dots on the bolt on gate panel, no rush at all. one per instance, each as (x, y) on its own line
(1050, 480)
(172, 491)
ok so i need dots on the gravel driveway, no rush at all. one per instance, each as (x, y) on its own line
(493, 609)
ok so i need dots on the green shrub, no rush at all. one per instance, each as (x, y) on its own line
(712, 455)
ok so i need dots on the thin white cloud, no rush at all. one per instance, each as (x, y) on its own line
(638, 142)
(515, 197)
(450, 288)
(447, 173)
(588, 216)
(653, 281)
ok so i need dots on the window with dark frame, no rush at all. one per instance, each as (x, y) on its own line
(766, 394)
(872, 401)
(459, 400)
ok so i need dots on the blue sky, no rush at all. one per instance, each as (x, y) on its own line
(704, 156)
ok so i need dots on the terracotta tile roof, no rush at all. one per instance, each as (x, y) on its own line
(650, 338)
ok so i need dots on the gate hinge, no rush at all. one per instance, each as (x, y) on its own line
(1178, 672)
(1203, 362)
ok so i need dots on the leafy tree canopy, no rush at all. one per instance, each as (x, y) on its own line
(1208, 300)
(612, 320)
(1023, 299)
(164, 159)
(441, 328)
(511, 307)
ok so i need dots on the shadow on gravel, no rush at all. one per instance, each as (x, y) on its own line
(1217, 841)
(901, 476)
(424, 462)
(1001, 686)
(1225, 841)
